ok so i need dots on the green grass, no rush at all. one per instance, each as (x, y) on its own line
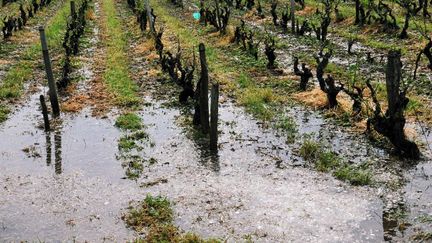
(329, 162)
(423, 236)
(129, 121)
(116, 72)
(151, 211)
(134, 167)
(257, 101)
(154, 216)
(132, 142)
(354, 175)
(4, 111)
(288, 126)
(13, 83)
(310, 150)
(127, 144)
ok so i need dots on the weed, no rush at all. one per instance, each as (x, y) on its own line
(354, 175)
(161, 234)
(153, 211)
(414, 105)
(155, 216)
(289, 126)
(127, 144)
(258, 101)
(129, 121)
(310, 150)
(422, 236)
(4, 111)
(134, 167)
(327, 161)
(116, 72)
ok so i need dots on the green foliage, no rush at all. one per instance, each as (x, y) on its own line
(354, 175)
(13, 82)
(289, 126)
(154, 215)
(328, 161)
(129, 121)
(258, 101)
(310, 150)
(243, 80)
(4, 111)
(414, 105)
(134, 167)
(152, 211)
(116, 72)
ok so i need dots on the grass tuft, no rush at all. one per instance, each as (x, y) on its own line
(289, 126)
(258, 101)
(4, 111)
(129, 121)
(116, 72)
(152, 211)
(354, 175)
(328, 161)
(154, 216)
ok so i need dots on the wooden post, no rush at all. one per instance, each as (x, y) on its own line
(214, 117)
(51, 83)
(204, 109)
(72, 6)
(44, 113)
(150, 17)
(292, 13)
(218, 15)
(393, 78)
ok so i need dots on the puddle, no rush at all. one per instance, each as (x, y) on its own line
(67, 186)
(263, 201)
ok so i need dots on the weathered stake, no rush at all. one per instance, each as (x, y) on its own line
(150, 17)
(204, 108)
(218, 15)
(214, 107)
(72, 6)
(51, 83)
(292, 13)
(44, 113)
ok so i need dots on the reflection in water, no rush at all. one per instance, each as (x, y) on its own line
(48, 148)
(209, 159)
(57, 148)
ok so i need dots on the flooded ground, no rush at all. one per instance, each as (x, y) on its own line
(69, 184)
(72, 181)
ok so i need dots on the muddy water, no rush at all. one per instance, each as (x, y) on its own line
(252, 188)
(242, 191)
(65, 185)
(69, 186)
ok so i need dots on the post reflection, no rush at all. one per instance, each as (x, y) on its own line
(57, 152)
(48, 148)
